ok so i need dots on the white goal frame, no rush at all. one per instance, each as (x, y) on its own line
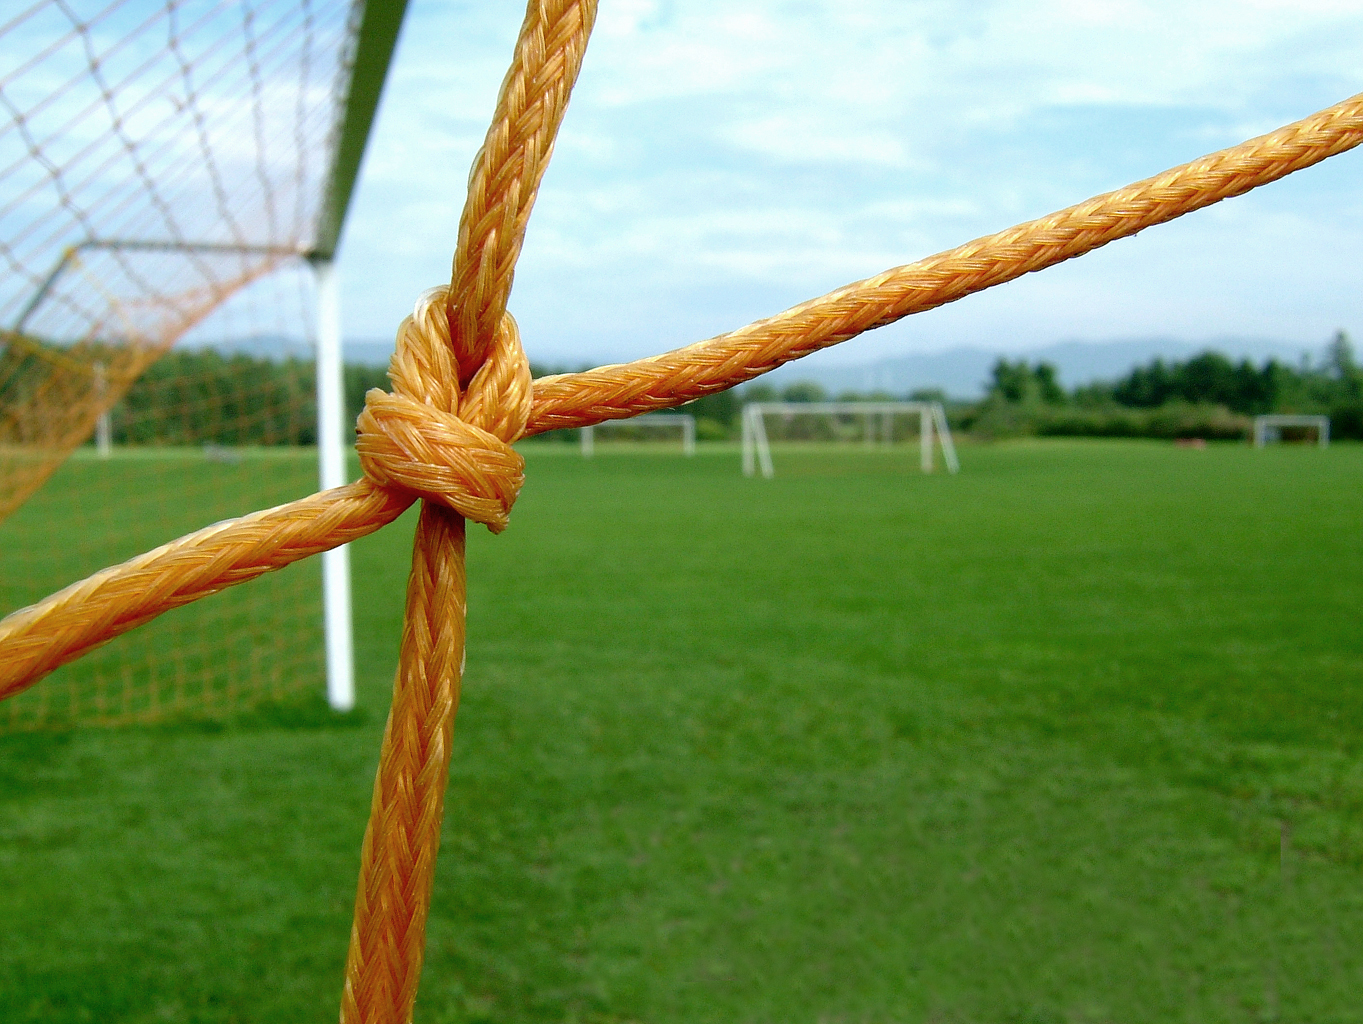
(685, 420)
(1266, 428)
(877, 417)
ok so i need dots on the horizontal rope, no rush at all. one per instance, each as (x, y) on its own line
(35, 640)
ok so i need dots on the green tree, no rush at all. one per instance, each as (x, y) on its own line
(762, 392)
(804, 391)
(1339, 356)
(1022, 384)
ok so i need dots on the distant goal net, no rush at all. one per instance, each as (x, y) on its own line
(1276, 428)
(173, 180)
(658, 424)
(869, 423)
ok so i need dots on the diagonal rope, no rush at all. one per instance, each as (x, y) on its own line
(614, 392)
(507, 171)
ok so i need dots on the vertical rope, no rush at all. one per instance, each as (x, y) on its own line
(475, 343)
(507, 172)
(388, 935)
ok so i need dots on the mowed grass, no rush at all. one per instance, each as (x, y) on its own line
(1072, 736)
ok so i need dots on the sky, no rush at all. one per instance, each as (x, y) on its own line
(721, 161)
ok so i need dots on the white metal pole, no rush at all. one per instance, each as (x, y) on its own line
(759, 432)
(944, 438)
(588, 441)
(1323, 432)
(870, 429)
(331, 472)
(747, 442)
(104, 434)
(689, 436)
(925, 438)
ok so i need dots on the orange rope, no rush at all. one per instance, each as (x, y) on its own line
(462, 394)
(614, 392)
(397, 864)
(37, 639)
(454, 450)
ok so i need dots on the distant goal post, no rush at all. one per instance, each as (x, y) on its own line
(876, 418)
(1270, 428)
(665, 421)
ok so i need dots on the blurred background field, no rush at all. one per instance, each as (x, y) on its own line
(1072, 736)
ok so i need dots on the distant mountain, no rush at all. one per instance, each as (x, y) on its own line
(964, 372)
(368, 353)
(960, 372)
(257, 346)
(278, 346)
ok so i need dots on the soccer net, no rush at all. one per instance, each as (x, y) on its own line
(173, 180)
(871, 423)
(1271, 429)
(641, 426)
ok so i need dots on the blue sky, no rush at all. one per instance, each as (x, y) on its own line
(721, 161)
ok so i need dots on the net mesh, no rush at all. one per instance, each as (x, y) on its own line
(162, 176)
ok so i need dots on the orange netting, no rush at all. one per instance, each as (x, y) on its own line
(153, 163)
(208, 432)
(462, 394)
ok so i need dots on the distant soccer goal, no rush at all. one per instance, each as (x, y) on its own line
(871, 422)
(1269, 429)
(653, 421)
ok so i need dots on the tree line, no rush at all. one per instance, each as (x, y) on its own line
(1207, 396)
(203, 396)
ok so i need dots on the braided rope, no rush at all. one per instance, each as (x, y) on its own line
(615, 392)
(462, 394)
(507, 172)
(480, 480)
(37, 639)
(455, 451)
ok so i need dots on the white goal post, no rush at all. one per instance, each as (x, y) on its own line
(1270, 428)
(667, 420)
(877, 419)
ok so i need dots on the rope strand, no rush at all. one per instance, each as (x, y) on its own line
(508, 169)
(37, 639)
(402, 838)
(614, 392)
(468, 324)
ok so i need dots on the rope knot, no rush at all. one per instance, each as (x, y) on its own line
(443, 439)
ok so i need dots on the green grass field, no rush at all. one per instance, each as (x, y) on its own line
(1072, 736)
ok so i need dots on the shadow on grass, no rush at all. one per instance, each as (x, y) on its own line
(301, 712)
